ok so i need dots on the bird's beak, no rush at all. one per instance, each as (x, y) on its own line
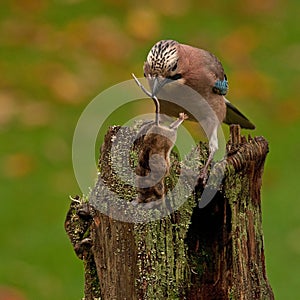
(157, 84)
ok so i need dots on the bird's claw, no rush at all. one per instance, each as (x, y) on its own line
(203, 176)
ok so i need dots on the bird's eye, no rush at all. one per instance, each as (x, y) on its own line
(175, 77)
(174, 67)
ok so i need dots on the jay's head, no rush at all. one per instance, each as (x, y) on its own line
(162, 65)
(169, 61)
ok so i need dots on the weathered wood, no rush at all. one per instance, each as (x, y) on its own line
(211, 253)
(78, 225)
(225, 239)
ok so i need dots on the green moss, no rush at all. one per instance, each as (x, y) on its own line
(231, 294)
(162, 260)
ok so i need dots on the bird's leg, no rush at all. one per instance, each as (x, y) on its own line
(203, 173)
(154, 98)
(213, 147)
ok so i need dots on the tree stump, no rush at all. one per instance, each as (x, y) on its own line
(215, 252)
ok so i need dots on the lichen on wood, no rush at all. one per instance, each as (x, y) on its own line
(216, 252)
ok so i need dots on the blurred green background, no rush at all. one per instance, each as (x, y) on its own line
(55, 56)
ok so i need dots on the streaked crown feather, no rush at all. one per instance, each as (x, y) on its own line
(163, 57)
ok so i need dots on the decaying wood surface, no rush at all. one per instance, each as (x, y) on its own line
(215, 252)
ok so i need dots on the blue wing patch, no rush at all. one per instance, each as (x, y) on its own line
(221, 86)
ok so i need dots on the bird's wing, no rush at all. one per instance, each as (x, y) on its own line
(234, 116)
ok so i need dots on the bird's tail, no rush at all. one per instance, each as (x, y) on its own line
(234, 116)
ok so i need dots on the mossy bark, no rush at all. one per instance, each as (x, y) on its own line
(216, 252)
